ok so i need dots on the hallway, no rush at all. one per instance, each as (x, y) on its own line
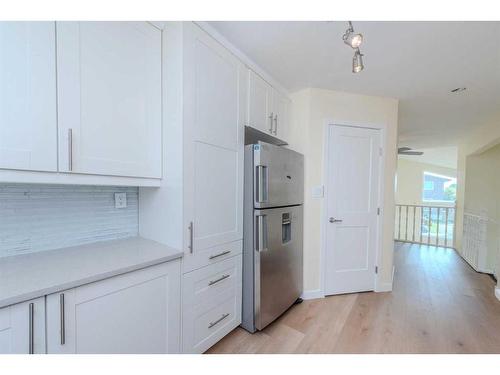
(438, 305)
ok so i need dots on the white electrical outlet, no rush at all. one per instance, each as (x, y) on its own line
(120, 200)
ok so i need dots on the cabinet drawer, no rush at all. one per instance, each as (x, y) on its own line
(201, 286)
(205, 324)
(211, 255)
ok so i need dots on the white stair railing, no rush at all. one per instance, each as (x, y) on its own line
(424, 224)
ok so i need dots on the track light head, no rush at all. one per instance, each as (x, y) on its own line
(357, 62)
(351, 38)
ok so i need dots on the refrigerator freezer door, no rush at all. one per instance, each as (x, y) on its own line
(278, 176)
(278, 262)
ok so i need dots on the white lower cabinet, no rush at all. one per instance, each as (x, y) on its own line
(211, 304)
(22, 328)
(138, 312)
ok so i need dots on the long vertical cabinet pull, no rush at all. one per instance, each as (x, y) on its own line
(261, 176)
(191, 237)
(31, 309)
(275, 124)
(261, 233)
(70, 149)
(63, 323)
(271, 120)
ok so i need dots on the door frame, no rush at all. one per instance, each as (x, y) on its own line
(324, 204)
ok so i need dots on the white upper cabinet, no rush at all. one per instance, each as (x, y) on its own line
(214, 108)
(109, 98)
(22, 328)
(28, 126)
(260, 103)
(281, 105)
(267, 107)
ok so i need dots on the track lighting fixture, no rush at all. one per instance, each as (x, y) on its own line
(357, 62)
(354, 40)
(351, 38)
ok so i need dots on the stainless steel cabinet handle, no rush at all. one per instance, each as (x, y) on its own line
(261, 233)
(63, 324)
(333, 220)
(70, 149)
(191, 237)
(271, 120)
(219, 255)
(224, 316)
(275, 124)
(224, 277)
(31, 329)
(261, 183)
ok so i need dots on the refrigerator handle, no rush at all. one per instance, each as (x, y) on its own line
(261, 239)
(261, 177)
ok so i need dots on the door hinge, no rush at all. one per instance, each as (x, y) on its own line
(376, 269)
(380, 151)
(378, 210)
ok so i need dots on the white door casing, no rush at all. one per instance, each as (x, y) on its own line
(352, 179)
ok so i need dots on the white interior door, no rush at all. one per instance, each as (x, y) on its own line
(353, 168)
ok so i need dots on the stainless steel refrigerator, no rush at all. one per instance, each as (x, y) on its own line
(273, 232)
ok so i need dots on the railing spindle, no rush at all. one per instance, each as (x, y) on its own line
(446, 227)
(429, 227)
(437, 227)
(406, 224)
(421, 221)
(399, 224)
(414, 215)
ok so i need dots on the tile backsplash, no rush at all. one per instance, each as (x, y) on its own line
(44, 217)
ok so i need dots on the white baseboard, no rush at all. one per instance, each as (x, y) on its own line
(385, 287)
(497, 293)
(312, 294)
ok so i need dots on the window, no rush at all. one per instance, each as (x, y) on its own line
(428, 185)
(438, 188)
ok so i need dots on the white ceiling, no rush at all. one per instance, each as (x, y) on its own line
(440, 156)
(417, 62)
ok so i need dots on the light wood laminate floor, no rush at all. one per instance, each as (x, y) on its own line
(438, 305)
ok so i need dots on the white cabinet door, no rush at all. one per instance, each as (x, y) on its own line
(214, 97)
(28, 126)
(109, 98)
(22, 328)
(260, 106)
(138, 312)
(281, 115)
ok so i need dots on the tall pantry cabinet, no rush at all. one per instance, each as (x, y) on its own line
(199, 205)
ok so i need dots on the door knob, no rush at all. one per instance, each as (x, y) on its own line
(333, 220)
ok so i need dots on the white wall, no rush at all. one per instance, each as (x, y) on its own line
(482, 197)
(311, 110)
(410, 179)
(479, 140)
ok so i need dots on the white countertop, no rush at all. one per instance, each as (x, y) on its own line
(28, 276)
